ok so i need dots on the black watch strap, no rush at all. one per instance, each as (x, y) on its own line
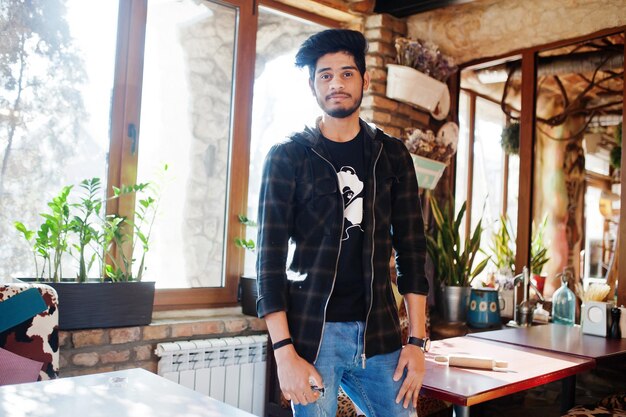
(421, 343)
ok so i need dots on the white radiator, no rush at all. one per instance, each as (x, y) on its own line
(230, 369)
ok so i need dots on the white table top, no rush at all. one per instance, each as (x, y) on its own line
(128, 393)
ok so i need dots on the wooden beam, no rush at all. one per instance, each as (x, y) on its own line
(454, 84)
(470, 163)
(505, 184)
(527, 160)
(301, 13)
(621, 235)
(123, 145)
(315, 7)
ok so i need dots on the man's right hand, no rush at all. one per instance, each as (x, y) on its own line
(296, 376)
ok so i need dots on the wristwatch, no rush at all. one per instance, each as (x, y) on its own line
(421, 343)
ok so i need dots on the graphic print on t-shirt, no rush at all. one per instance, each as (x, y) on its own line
(352, 191)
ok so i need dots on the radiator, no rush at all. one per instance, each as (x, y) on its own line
(230, 369)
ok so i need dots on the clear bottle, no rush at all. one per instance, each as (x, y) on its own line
(564, 303)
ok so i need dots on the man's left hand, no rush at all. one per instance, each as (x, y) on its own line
(411, 358)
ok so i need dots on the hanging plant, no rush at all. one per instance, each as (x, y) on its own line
(616, 152)
(510, 138)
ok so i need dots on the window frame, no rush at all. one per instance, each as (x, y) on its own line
(527, 142)
(125, 136)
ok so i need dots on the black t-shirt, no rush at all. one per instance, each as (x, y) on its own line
(347, 301)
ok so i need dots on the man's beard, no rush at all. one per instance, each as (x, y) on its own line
(340, 113)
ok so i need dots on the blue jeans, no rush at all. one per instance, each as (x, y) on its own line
(372, 389)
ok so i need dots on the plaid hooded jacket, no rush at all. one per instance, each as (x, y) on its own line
(300, 201)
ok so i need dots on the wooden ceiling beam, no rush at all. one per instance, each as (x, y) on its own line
(345, 12)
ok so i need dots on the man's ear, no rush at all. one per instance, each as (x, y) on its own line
(366, 81)
(311, 86)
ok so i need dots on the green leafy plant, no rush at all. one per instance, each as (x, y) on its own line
(538, 250)
(502, 247)
(50, 241)
(453, 262)
(509, 138)
(82, 225)
(126, 235)
(82, 230)
(242, 242)
(615, 156)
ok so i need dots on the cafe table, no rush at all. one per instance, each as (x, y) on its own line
(558, 338)
(527, 368)
(133, 392)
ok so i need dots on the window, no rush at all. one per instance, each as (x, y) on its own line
(55, 97)
(276, 114)
(175, 89)
(486, 174)
(185, 123)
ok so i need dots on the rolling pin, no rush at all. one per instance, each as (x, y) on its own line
(467, 361)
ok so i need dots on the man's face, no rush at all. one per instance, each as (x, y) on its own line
(338, 85)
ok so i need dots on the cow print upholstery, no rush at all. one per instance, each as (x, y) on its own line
(38, 337)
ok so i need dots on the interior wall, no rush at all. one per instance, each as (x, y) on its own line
(488, 28)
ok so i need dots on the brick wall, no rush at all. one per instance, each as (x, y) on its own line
(390, 115)
(103, 350)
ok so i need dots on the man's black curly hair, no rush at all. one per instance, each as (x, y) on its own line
(331, 41)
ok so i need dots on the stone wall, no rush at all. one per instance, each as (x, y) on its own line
(104, 350)
(390, 115)
(490, 28)
(208, 44)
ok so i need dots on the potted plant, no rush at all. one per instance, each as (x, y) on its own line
(503, 252)
(538, 254)
(509, 138)
(502, 249)
(247, 292)
(430, 154)
(503, 258)
(453, 259)
(615, 157)
(419, 74)
(116, 296)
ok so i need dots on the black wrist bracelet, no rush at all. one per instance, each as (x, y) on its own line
(282, 343)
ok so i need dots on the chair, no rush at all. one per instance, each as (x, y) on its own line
(31, 324)
(613, 405)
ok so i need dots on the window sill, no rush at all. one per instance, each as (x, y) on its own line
(196, 315)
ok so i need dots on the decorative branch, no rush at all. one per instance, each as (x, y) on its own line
(563, 92)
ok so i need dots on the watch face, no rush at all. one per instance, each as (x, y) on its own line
(426, 345)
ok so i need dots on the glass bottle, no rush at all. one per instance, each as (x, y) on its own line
(564, 303)
(615, 332)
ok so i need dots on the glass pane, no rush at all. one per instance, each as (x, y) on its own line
(488, 171)
(185, 123)
(276, 113)
(54, 112)
(488, 164)
(594, 235)
(513, 190)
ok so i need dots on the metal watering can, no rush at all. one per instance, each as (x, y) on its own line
(484, 308)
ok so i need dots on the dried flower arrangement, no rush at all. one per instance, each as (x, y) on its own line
(425, 143)
(425, 57)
